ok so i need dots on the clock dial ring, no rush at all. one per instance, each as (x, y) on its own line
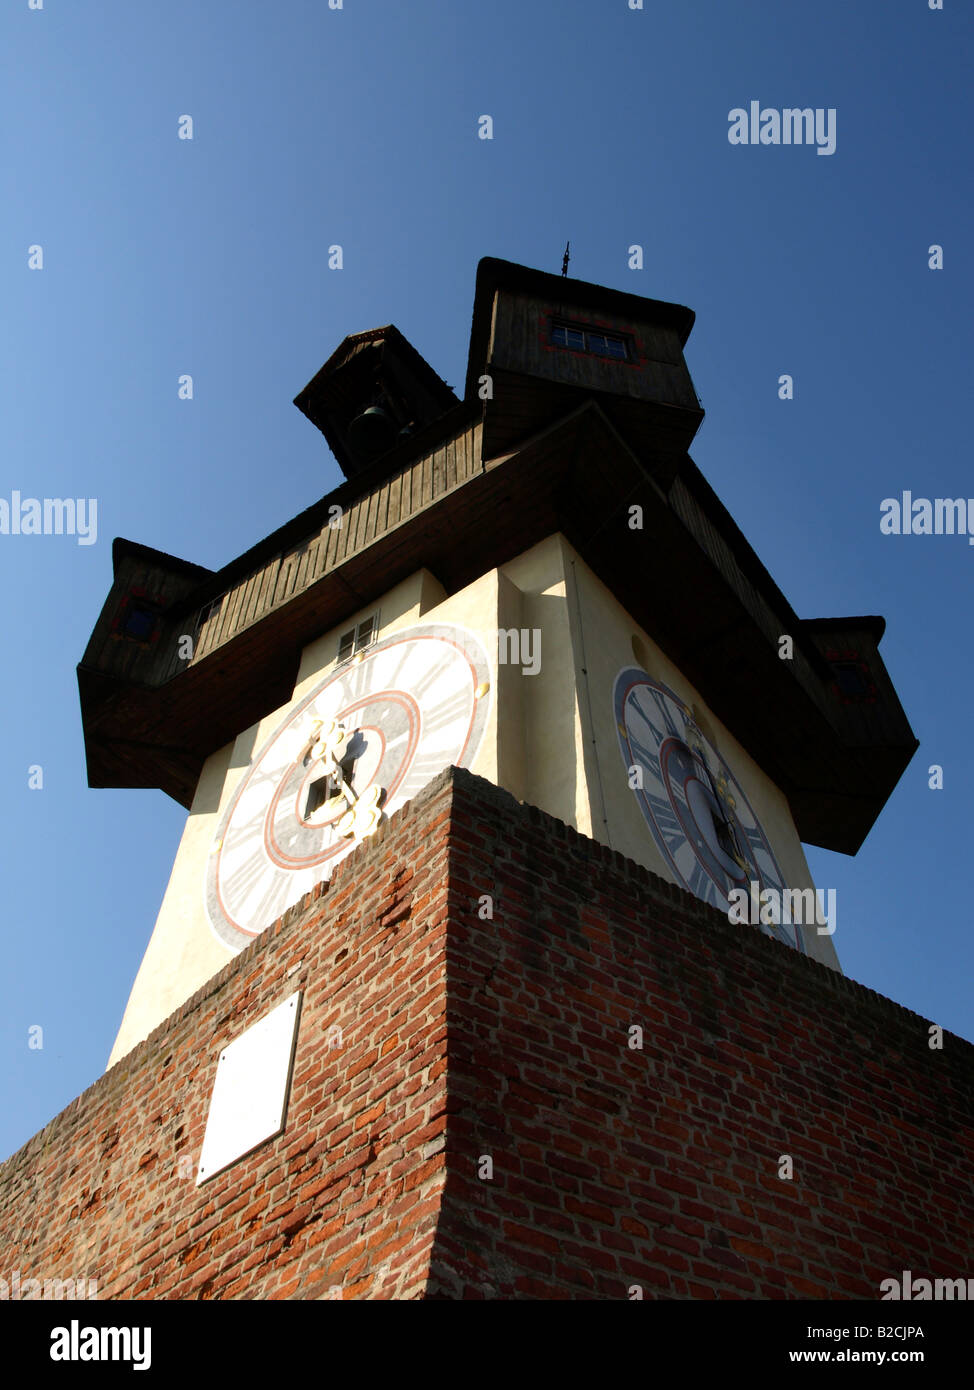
(657, 733)
(313, 772)
(695, 811)
(413, 703)
(346, 713)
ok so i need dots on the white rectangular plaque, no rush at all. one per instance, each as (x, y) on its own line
(249, 1099)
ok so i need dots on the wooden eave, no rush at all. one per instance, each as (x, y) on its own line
(344, 495)
(715, 622)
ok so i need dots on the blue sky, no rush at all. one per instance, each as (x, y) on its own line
(358, 126)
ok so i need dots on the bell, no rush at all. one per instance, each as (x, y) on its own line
(372, 433)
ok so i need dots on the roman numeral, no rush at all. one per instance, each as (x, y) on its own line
(272, 903)
(636, 706)
(667, 821)
(393, 660)
(422, 769)
(241, 881)
(663, 705)
(647, 761)
(448, 711)
(421, 684)
(755, 838)
(701, 885)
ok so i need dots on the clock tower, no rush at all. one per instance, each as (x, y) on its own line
(535, 583)
(490, 964)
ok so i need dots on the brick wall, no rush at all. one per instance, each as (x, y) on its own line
(659, 1167)
(506, 1037)
(344, 1202)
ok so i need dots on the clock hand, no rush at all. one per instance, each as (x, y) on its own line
(723, 802)
(364, 816)
(328, 744)
(345, 788)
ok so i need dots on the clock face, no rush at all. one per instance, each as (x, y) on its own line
(694, 806)
(368, 737)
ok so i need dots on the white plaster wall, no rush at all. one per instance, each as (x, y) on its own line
(550, 740)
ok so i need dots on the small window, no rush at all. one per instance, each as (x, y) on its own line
(358, 637)
(853, 681)
(138, 620)
(563, 336)
(593, 340)
(850, 679)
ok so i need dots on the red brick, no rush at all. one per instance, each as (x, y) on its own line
(612, 1168)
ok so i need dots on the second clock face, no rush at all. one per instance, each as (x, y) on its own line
(695, 808)
(368, 737)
